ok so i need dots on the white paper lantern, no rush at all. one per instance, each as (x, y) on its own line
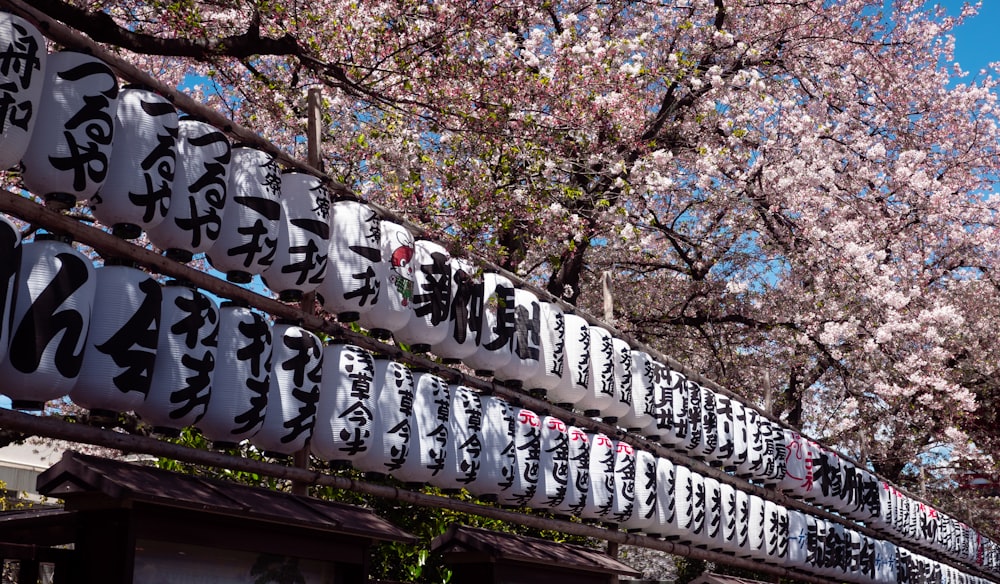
(526, 360)
(639, 415)
(854, 543)
(699, 510)
(527, 454)
(460, 342)
(660, 401)
(756, 521)
(552, 334)
(684, 503)
(136, 194)
(431, 297)
(121, 345)
(729, 541)
(798, 534)
(430, 432)
(774, 452)
(578, 481)
(741, 441)
(67, 156)
(51, 319)
(352, 286)
(623, 502)
(799, 454)
(710, 429)
(194, 219)
(828, 479)
(576, 371)
(775, 533)
(395, 274)
(695, 419)
(713, 534)
(21, 81)
(644, 512)
(621, 404)
(303, 237)
(248, 236)
(293, 393)
(10, 265)
(885, 562)
(666, 525)
(499, 461)
(674, 430)
(725, 429)
(835, 558)
(493, 321)
(601, 380)
(600, 497)
(742, 524)
(553, 465)
(185, 359)
(465, 449)
(393, 418)
(241, 379)
(753, 466)
(345, 414)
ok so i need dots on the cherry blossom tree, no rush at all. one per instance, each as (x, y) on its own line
(793, 197)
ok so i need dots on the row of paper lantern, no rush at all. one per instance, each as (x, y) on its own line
(140, 167)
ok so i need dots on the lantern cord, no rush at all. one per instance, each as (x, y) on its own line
(59, 429)
(110, 246)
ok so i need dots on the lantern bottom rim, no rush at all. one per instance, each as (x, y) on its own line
(27, 405)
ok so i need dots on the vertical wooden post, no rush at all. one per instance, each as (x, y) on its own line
(308, 303)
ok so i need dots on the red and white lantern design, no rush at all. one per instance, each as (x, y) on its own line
(644, 512)
(21, 84)
(136, 194)
(431, 298)
(194, 219)
(798, 479)
(10, 265)
(578, 481)
(553, 465)
(600, 497)
(300, 260)
(465, 449)
(293, 394)
(355, 248)
(496, 475)
(552, 334)
(393, 424)
(345, 414)
(395, 275)
(526, 361)
(601, 378)
(50, 320)
(576, 355)
(248, 236)
(527, 453)
(430, 432)
(241, 379)
(121, 345)
(70, 147)
(460, 342)
(639, 416)
(185, 359)
(493, 321)
(623, 502)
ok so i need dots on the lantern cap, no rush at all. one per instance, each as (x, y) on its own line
(27, 405)
(420, 348)
(591, 413)
(238, 277)
(234, 303)
(380, 333)
(49, 236)
(102, 417)
(450, 361)
(224, 445)
(349, 316)
(126, 230)
(181, 282)
(166, 431)
(290, 295)
(179, 255)
(60, 201)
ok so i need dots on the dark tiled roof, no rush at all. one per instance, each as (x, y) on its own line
(82, 477)
(529, 550)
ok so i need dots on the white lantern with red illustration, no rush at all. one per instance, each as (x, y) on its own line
(496, 475)
(394, 273)
(248, 235)
(194, 219)
(623, 502)
(50, 320)
(576, 370)
(393, 420)
(799, 455)
(600, 496)
(241, 379)
(460, 342)
(552, 333)
(526, 360)
(553, 465)
(465, 448)
(431, 297)
(293, 394)
(639, 416)
(601, 378)
(121, 345)
(10, 265)
(430, 433)
(21, 81)
(352, 286)
(493, 321)
(70, 147)
(345, 414)
(527, 453)
(300, 261)
(578, 481)
(644, 510)
(136, 194)
(666, 524)
(185, 359)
